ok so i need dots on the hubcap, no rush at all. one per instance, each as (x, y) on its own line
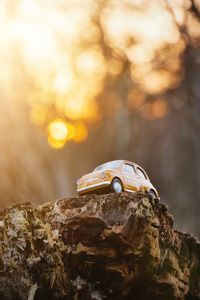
(117, 187)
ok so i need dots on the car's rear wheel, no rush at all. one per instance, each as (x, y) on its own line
(152, 195)
(116, 186)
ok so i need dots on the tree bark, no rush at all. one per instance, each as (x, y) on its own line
(114, 246)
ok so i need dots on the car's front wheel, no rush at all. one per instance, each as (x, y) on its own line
(116, 186)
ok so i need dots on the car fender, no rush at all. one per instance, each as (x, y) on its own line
(114, 174)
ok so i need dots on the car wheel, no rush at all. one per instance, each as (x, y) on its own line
(116, 186)
(152, 195)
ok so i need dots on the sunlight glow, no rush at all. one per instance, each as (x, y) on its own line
(58, 130)
(80, 108)
(64, 54)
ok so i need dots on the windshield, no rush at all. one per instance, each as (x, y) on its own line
(109, 165)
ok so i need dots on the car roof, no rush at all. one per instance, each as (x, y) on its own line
(124, 161)
(127, 162)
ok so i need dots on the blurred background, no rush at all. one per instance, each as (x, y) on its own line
(85, 82)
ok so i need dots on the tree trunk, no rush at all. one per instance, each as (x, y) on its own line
(114, 246)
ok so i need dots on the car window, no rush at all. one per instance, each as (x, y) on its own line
(141, 173)
(108, 165)
(128, 169)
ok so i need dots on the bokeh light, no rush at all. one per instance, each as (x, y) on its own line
(64, 55)
(157, 109)
(81, 132)
(59, 132)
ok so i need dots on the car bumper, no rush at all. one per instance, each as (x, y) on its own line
(93, 187)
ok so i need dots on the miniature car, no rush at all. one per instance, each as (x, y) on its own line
(116, 176)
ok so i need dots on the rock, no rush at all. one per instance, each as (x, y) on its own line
(114, 246)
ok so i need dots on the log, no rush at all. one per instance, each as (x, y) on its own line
(113, 246)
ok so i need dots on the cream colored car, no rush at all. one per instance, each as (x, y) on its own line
(116, 176)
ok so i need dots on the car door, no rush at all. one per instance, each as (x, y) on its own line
(129, 177)
(143, 181)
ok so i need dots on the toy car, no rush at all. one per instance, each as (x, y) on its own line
(116, 176)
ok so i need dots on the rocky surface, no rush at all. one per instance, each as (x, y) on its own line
(115, 246)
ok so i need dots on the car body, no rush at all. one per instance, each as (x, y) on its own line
(129, 175)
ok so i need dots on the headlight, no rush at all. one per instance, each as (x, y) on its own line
(103, 175)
